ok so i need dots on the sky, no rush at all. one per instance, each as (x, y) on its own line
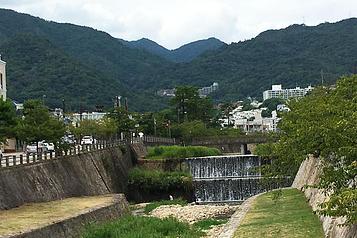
(172, 23)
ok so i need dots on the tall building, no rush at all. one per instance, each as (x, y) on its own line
(278, 92)
(2, 79)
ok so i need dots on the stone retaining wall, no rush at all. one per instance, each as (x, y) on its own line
(308, 174)
(87, 174)
(72, 227)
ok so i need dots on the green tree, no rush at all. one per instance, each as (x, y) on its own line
(323, 124)
(189, 106)
(8, 120)
(124, 120)
(38, 124)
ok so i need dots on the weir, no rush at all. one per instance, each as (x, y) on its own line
(232, 178)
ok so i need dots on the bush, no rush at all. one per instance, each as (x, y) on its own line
(137, 226)
(206, 224)
(153, 205)
(155, 180)
(177, 152)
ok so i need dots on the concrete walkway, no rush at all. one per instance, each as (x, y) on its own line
(237, 218)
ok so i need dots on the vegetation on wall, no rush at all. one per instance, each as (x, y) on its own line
(155, 180)
(322, 124)
(177, 152)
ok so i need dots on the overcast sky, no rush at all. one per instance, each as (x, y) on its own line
(173, 23)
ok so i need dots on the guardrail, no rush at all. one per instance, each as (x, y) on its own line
(21, 158)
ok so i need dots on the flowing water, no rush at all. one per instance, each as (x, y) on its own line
(231, 178)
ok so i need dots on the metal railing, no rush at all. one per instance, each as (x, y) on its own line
(22, 158)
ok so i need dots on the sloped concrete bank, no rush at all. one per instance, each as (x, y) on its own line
(73, 226)
(94, 173)
(308, 174)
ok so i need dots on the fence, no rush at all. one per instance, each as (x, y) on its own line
(22, 158)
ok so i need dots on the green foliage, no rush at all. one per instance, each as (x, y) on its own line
(75, 63)
(189, 106)
(197, 129)
(140, 226)
(177, 152)
(105, 128)
(207, 223)
(323, 124)
(185, 53)
(8, 120)
(125, 121)
(38, 124)
(155, 180)
(271, 105)
(151, 206)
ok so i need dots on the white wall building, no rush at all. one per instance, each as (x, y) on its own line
(2, 79)
(76, 117)
(278, 92)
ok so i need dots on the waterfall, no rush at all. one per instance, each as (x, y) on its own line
(231, 178)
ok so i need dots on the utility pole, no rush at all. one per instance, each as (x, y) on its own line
(63, 106)
(322, 77)
(154, 126)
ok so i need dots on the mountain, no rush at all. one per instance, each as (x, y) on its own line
(298, 55)
(185, 53)
(88, 67)
(96, 52)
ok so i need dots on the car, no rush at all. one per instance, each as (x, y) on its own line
(88, 140)
(69, 139)
(32, 148)
(47, 146)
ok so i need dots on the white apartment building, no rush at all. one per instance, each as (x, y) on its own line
(278, 92)
(2, 79)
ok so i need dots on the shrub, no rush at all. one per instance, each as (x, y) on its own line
(137, 226)
(177, 152)
(206, 224)
(155, 180)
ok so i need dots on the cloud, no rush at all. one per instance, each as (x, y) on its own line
(176, 22)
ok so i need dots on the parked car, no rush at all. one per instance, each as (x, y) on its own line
(47, 146)
(88, 140)
(43, 146)
(69, 139)
(32, 148)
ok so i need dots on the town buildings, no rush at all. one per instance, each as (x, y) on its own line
(2, 79)
(278, 92)
(77, 117)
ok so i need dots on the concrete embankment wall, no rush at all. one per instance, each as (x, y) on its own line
(73, 226)
(93, 173)
(308, 174)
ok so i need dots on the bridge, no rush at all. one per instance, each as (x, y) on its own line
(241, 144)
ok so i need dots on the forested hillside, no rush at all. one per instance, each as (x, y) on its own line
(90, 67)
(185, 53)
(296, 56)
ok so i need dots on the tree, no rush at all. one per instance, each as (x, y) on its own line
(38, 124)
(189, 106)
(323, 124)
(8, 120)
(124, 120)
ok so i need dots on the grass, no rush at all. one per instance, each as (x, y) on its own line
(287, 216)
(207, 224)
(156, 180)
(151, 206)
(138, 227)
(178, 152)
(40, 214)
